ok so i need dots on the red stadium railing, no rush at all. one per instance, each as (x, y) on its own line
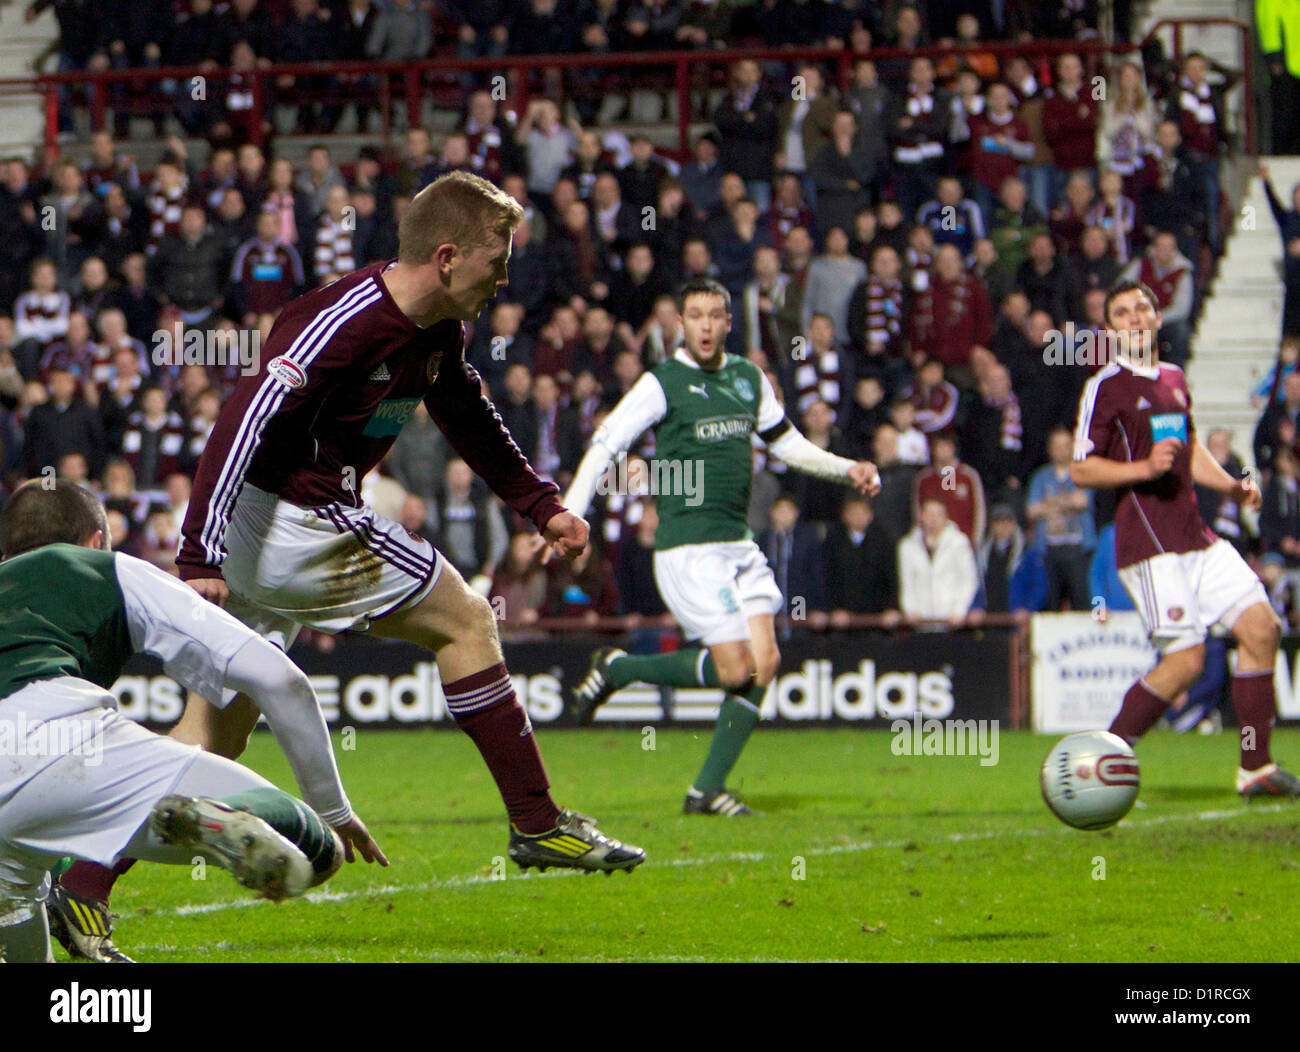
(687, 74)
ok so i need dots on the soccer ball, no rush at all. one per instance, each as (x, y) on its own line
(1090, 780)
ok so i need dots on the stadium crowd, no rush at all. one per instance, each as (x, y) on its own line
(912, 262)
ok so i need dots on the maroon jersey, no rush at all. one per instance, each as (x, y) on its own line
(340, 373)
(1124, 411)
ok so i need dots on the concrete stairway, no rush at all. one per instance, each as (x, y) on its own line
(22, 117)
(1237, 339)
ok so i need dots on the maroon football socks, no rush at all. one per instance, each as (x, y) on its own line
(485, 707)
(1141, 709)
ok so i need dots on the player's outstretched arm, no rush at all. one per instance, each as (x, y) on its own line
(210, 652)
(1208, 472)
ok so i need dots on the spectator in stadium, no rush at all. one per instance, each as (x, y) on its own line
(640, 179)
(231, 225)
(893, 504)
(1062, 517)
(1223, 516)
(1007, 566)
(615, 224)
(21, 237)
(321, 175)
(817, 370)
(992, 437)
(1000, 144)
(598, 346)
(951, 317)
(906, 31)
(634, 566)
(68, 217)
(1172, 197)
(1169, 274)
(550, 144)
(199, 428)
(501, 342)
(583, 587)
(875, 318)
(997, 282)
(468, 522)
(374, 238)
(113, 338)
(746, 120)
(952, 219)
(63, 424)
(575, 262)
(588, 163)
(154, 440)
(843, 174)
(333, 255)
(1269, 388)
(1016, 220)
(1094, 267)
(938, 578)
(1048, 282)
(956, 484)
(832, 277)
(819, 500)
(794, 552)
(625, 372)
(121, 228)
(935, 399)
(518, 589)
(1070, 122)
(804, 125)
(913, 446)
(92, 291)
(1279, 517)
(136, 299)
(1288, 227)
(1069, 219)
(187, 268)
(307, 35)
(789, 210)
(1197, 108)
(1127, 127)
(558, 429)
(771, 313)
(1029, 100)
(1116, 214)
(635, 287)
(661, 335)
(867, 411)
(557, 342)
(40, 316)
(734, 249)
(702, 177)
(918, 129)
(1282, 587)
(859, 565)
(74, 352)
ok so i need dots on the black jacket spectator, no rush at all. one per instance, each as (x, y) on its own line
(861, 577)
(748, 134)
(189, 273)
(52, 432)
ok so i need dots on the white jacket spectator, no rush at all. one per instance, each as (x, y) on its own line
(937, 574)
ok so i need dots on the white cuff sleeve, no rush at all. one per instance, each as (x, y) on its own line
(794, 449)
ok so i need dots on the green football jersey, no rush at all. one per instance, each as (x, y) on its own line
(64, 615)
(704, 458)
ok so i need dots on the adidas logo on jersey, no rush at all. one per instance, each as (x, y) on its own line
(1143, 403)
(381, 373)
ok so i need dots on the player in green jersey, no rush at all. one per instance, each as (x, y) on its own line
(705, 405)
(80, 779)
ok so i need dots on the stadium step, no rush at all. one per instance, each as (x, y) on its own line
(22, 117)
(1236, 341)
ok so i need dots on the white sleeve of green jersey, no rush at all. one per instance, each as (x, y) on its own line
(770, 410)
(206, 649)
(637, 411)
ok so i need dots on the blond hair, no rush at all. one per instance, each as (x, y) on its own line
(459, 208)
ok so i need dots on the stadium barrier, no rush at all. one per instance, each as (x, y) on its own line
(686, 76)
(840, 678)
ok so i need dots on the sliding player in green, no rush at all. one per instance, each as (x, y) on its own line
(704, 405)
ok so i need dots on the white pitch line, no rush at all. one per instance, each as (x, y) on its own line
(733, 857)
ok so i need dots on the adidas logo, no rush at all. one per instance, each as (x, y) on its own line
(381, 373)
(1143, 403)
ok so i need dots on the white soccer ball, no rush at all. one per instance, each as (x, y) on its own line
(1090, 780)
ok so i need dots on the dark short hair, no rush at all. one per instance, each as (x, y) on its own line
(1123, 286)
(703, 287)
(45, 511)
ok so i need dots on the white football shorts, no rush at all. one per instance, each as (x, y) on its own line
(1182, 596)
(714, 589)
(330, 568)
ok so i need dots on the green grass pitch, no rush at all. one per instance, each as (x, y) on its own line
(860, 855)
